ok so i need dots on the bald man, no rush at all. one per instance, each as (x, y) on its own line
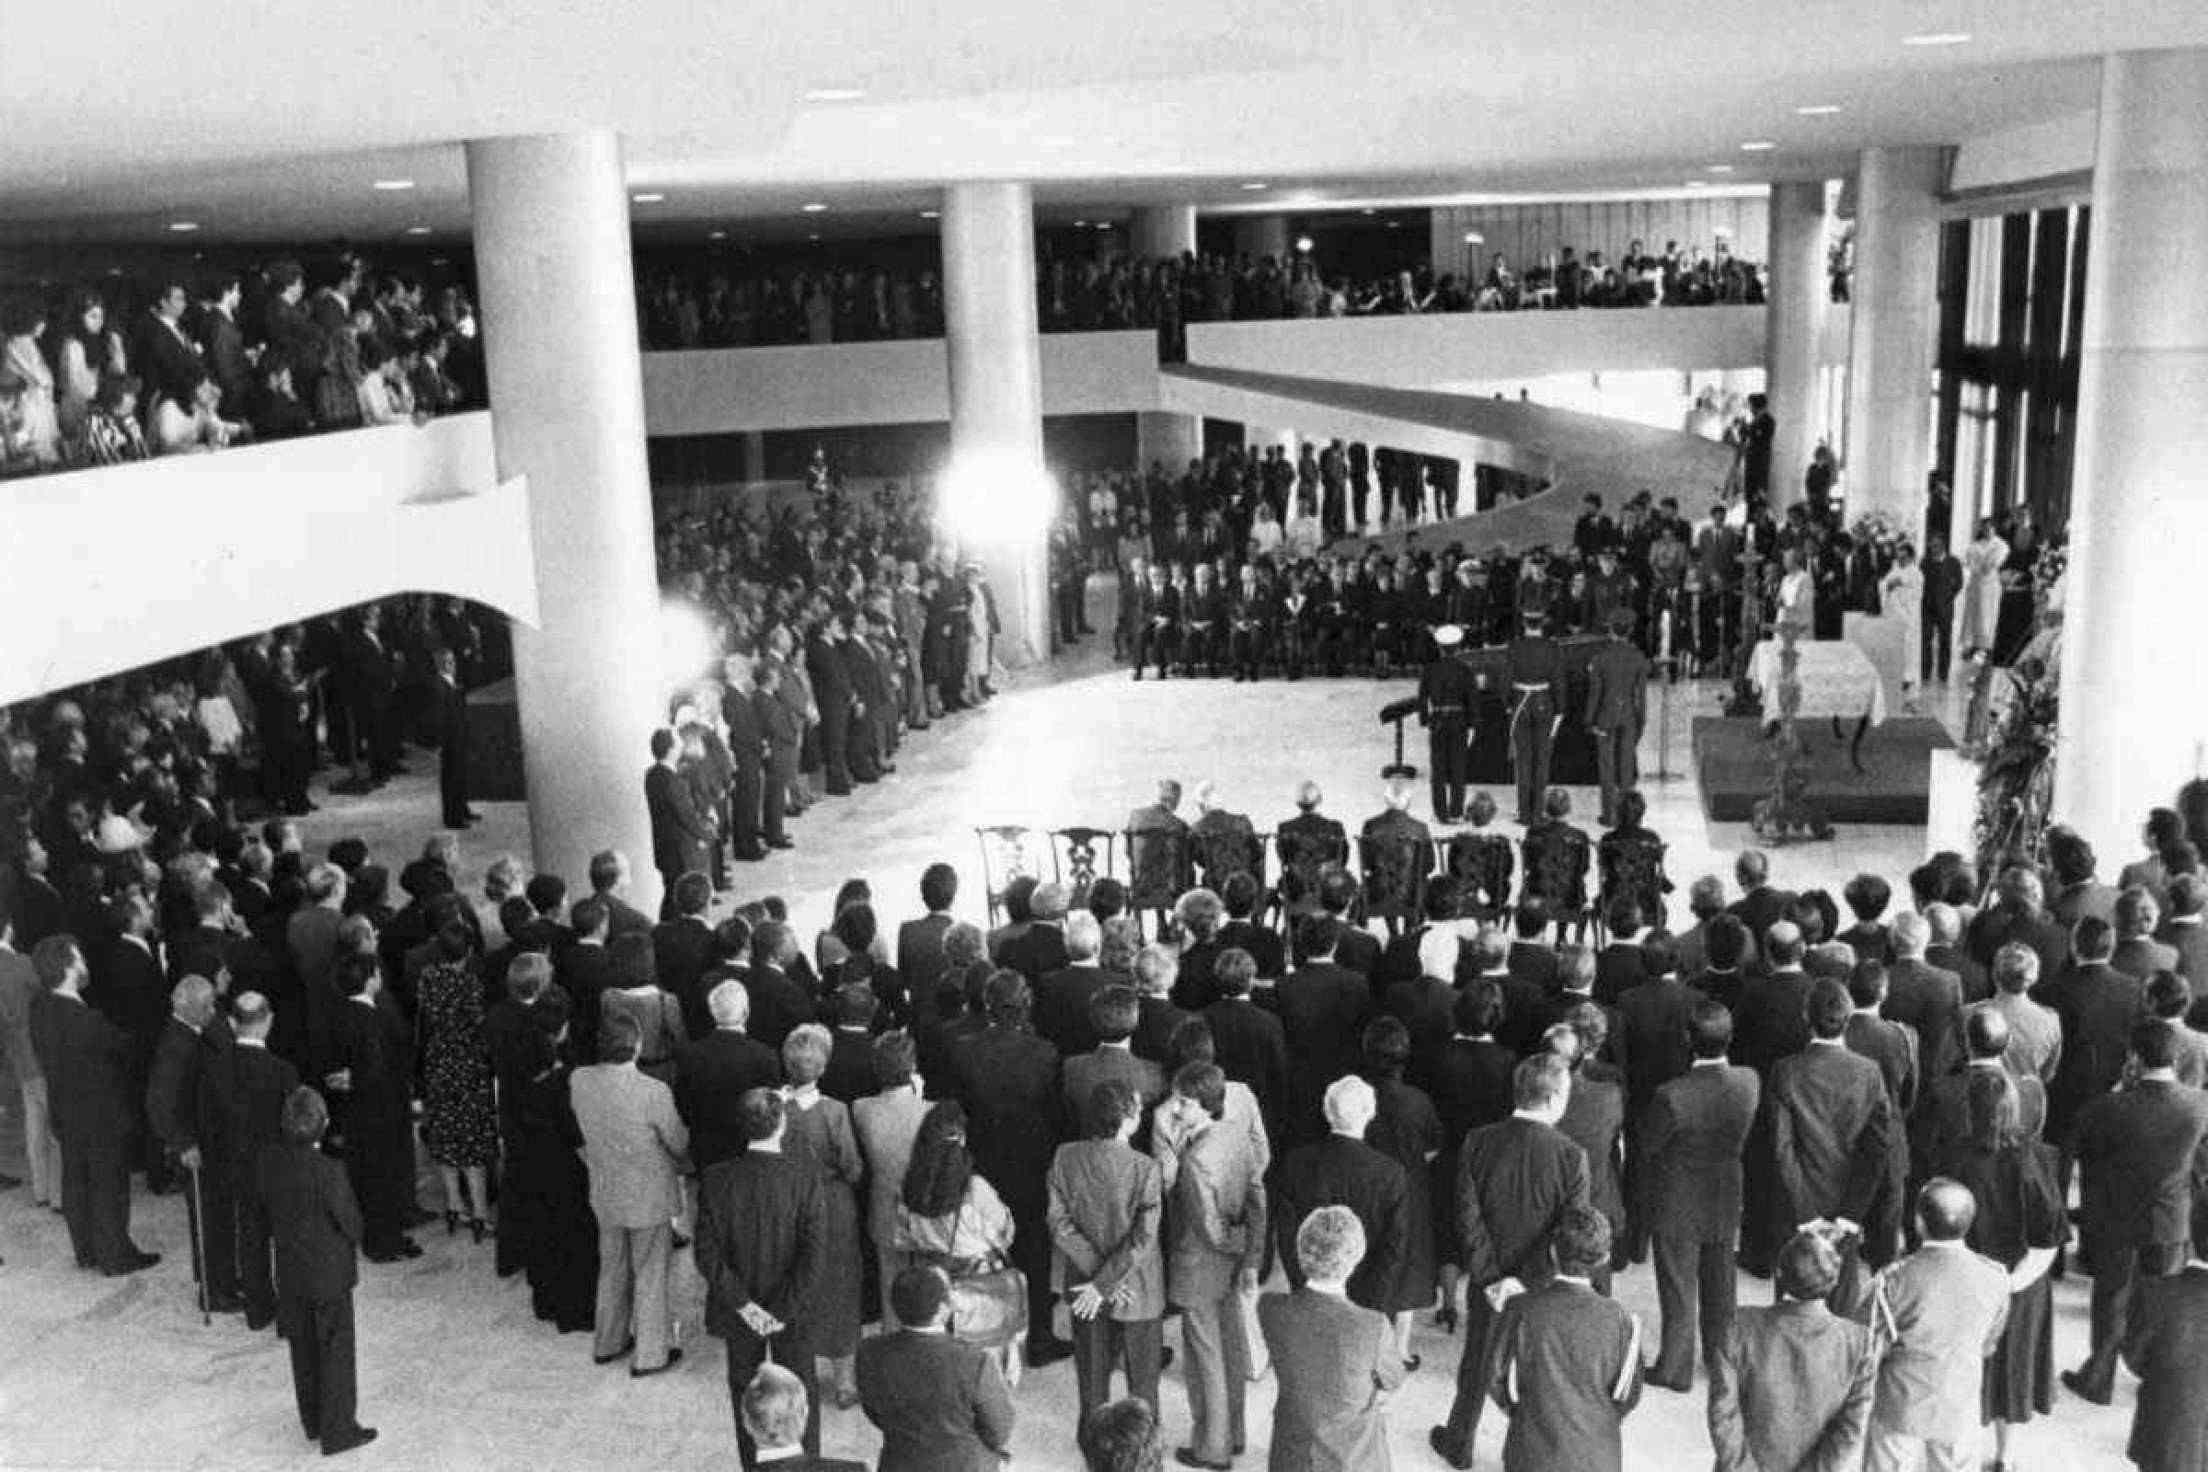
(1940, 1312)
(178, 1102)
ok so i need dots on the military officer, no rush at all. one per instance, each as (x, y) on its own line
(1617, 708)
(1609, 588)
(1445, 693)
(1536, 686)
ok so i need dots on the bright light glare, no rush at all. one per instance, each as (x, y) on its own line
(996, 497)
(1304, 244)
(685, 643)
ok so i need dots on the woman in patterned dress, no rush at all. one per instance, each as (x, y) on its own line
(460, 1116)
(819, 1131)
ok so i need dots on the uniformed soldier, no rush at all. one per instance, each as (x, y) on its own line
(1536, 687)
(1444, 708)
(1609, 588)
(1617, 708)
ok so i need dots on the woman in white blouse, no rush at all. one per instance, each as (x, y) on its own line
(1265, 531)
(1797, 595)
(1981, 599)
(41, 429)
(384, 396)
(180, 429)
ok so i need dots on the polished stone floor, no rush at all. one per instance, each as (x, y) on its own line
(120, 1374)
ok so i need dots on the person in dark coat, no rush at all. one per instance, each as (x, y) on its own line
(1251, 1047)
(317, 1227)
(941, 1404)
(1594, 1120)
(1062, 996)
(920, 958)
(452, 742)
(1566, 1361)
(1343, 1170)
(1323, 1009)
(1406, 1128)
(545, 1226)
(1516, 1180)
(368, 1077)
(715, 1073)
(244, 1089)
(1831, 1128)
(1471, 1088)
(1893, 1047)
(2097, 1006)
(681, 833)
(1791, 1386)
(1925, 997)
(762, 1224)
(87, 1062)
(1652, 1044)
(1040, 949)
(684, 948)
(192, 1041)
(2167, 1348)
(1008, 1079)
(779, 1001)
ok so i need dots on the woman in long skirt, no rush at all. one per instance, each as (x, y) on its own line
(1407, 1130)
(1902, 595)
(819, 1131)
(1981, 600)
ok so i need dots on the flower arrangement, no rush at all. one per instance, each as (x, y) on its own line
(2016, 779)
(1879, 529)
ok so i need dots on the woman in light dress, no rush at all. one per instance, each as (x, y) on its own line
(1797, 595)
(26, 358)
(1981, 599)
(1901, 594)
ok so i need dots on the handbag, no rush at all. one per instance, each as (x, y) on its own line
(988, 1300)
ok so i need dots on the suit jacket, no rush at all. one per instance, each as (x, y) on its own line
(173, 1084)
(2166, 1346)
(1791, 1389)
(634, 1142)
(2097, 1006)
(1154, 1033)
(1251, 1048)
(779, 1004)
(1106, 1207)
(87, 1062)
(1929, 1000)
(1323, 1009)
(1893, 1047)
(315, 1224)
(1036, 953)
(1690, 1153)
(129, 987)
(1997, 925)
(682, 952)
(1471, 1087)
(762, 1238)
(1339, 1171)
(1942, 1310)
(942, 1405)
(1617, 687)
(1831, 1130)
(1618, 969)
(1332, 1362)
(1565, 1363)
(1514, 1179)
(1104, 1064)
(920, 959)
(1594, 1120)
(1534, 964)
(711, 1076)
(2139, 958)
(1061, 1012)
(1215, 1184)
(680, 831)
(1650, 1040)
(2142, 1153)
(1759, 909)
(1008, 1079)
(245, 1087)
(1772, 1021)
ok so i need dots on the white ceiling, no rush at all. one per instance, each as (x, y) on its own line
(118, 118)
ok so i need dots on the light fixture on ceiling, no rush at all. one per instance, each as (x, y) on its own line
(1936, 38)
(1103, 224)
(1304, 243)
(1474, 237)
(814, 207)
(1368, 212)
(1758, 145)
(1720, 168)
(182, 227)
(1698, 183)
(417, 229)
(393, 186)
(648, 198)
(814, 236)
(716, 235)
(1817, 109)
(1395, 224)
(931, 214)
(1080, 224)
(834, 94)
(1254, 185)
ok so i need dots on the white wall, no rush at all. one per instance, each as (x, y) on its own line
(105, 570)
(2049, 148)
(730, 390)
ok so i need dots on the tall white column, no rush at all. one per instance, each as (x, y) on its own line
(1894, 332)
(1162, 230)
(559, 329)
(1001, 501)
(1261, 235)
(2134, 708)
(1792, 324)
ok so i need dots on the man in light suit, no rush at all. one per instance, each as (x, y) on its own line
(1565, 1362)
(1791, 1385)
(2034, 1032)
(1690, 1187)
(1335, 1363)
(637, 1149)
(775, 1408)
(1939, 1312)
(1106, 1200)
(1216, 1183)
(941, 1405)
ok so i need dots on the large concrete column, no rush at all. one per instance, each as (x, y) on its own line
(1170, 439)
(755, 456)
(552, 226)
(1793, 321)
(1261, 235)
(999, 499)
(1894, 334)
(1161, 230)
(2134, 710)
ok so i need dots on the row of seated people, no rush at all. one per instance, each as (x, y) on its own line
(208, 359)
(972, 1093)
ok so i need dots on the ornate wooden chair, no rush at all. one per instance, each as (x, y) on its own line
(1010, 852)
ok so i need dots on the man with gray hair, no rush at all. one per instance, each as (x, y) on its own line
(1041, 948)
(2035, 1032)
(774, 1411)
(1705, 901)
(1062, 995)
(316, 1223)
(1924, 997)
(1335, 1363)
(713, 1074)
(1307, 843)
(246, 1093)
(193, 1040)
(1156, 969)
(2019, 913)
(1342, 1170)
(1945, 951)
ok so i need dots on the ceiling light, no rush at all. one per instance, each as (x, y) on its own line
(834, 94)
(1395, 224)
(1103, 224)
(814, 208)
(394, 186)
(716, 235)
(1698, 183)
(814, 236)
(1817, 109)
(1936, 38)
(1303, 245)
(648, 198)
(1080, 224)
(1721, 168)
(1758, 145)
(1368, 212)
(182, 227)
(931, 214)
(417, 229)
(1256, 184)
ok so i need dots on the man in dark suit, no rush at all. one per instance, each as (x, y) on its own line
(163, 356)
(1305, 844)
(1062, 996)
(1927, 998)
(1356, 948)
(836, 701)
(1831, 1128)
(609, 881)
(1515, 1181)
(2185, 931)
(1619, 965)
(2138, 954)
(1772, 1020)
(87, 1060)
(1238, 896)
(1323, 1009)
(370, 674)
(1154, 971)
(2166, 1346)
(1532, 954)
(747, 753)
(244, 1089)
(131, 990)
(316, 1226)
(940, 1404)
(920, 942)
(1792, 1385)
(1617, 708)
(681, 833)
(1251, 1046)
(2018, 914)
(369, 1075)
(683, 950)
(1760, 906)
(2098, 1007)
(1893, 1047)
(192, 1041)
(779, 1002)
(1396, 845)
(761, 1223)
(1689, 1187)
(1652, 1044)
(584, 971)
(1342, 1170)
(713, 1074)
(1041, 948)
(1567, 1362)
(1008, 1079)
(1114, 1014)
(2142, 1155)
(451, 699)
(1594, 1120)
(1943, 1112)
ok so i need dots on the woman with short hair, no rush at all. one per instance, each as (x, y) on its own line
(818, 1130)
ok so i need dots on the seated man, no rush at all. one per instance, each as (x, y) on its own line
(1398, 855)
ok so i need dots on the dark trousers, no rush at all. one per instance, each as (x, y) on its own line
(1360, 496)
(1480, 1320)
(95, 1200)
(1937, 638)
(1532, 738)
(2117, 1272)
(746, 1353)
(774, 796)
(256, 1261)
(212, 1217)
(1450, 755)
(1694, 1282)
(1031, 1255)
(1617, 765)
(382, 1173)
(321, 1337)
(1099, 1343)
(1157, 646)
(745, 804)
(835, 746)
(452, 783)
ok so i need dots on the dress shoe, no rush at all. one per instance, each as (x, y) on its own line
(226, 1303)
(416, 1217)
(674, 1358)
(136, 1263)
(1446, 1448)
(256, 1323)
(750, 855)
(780, 843)
(2074, 1382)
(1043, 1353)
(1680, 1387)
(622, 1353)
(1186, 1456)
(358, 1436)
